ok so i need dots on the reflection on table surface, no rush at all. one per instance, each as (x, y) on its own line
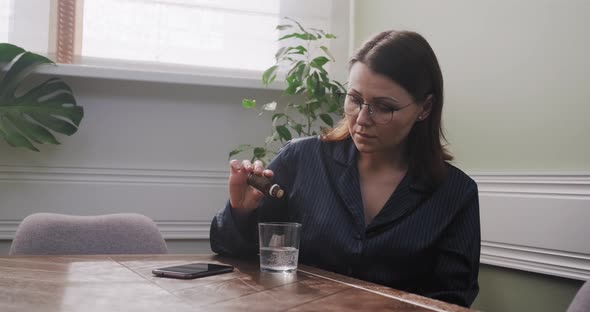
(125, 283)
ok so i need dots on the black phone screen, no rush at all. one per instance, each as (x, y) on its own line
(193, 270)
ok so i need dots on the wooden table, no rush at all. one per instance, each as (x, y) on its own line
(125, 283)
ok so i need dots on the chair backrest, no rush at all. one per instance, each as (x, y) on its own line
(57, 234)
(581, 302)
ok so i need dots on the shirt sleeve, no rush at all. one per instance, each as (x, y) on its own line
(238, 237)
(456, 271)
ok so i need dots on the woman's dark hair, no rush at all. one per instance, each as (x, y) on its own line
(407, 59)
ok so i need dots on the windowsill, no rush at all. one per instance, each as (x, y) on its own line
(160, 73)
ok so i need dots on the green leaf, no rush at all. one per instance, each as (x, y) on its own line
(284, 133)
(297, 50)
(239, 149)
(48, 89)
(29, 115)
(300, 73)
(259, 152)
(319, 33)
(305, 71)
(294, 72)
(62, 104)
(234, 152)
(304, 36)
(325, 49)
(327, 119)
(330, 36)
(32, 130)
(54, 123)
(283, 27)
(13, 137)
(298, 128)
(325, 79)
(300, 89)
(292, 84)
(276, 118)
(319, 90)
(248, 104)
(8, 52)
(280, 52)
(297, 23)
(268, 73)
(319, 61)
(18, 71)
(311, 82)
(287, 36)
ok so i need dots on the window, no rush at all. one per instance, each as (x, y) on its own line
(5, 18)
(224, 34)
(26, 23)
(230, 34)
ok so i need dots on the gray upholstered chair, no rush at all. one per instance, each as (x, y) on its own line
(581, 302)
(57, 234)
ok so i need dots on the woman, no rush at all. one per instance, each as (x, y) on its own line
(376, 197)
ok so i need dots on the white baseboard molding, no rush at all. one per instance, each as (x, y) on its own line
(114, 176)
(180, 230)
(536, 222)
(184, 229)
(550, 262)
(533, 184)
(8, 229)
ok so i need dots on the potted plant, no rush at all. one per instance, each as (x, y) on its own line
(312, 98)
(27, 114)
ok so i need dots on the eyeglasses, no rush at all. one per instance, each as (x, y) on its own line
(381, 112)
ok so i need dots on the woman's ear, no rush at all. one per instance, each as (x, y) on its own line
(426, 108)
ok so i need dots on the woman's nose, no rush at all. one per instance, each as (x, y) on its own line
(364, 116)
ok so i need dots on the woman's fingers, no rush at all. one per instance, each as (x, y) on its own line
(258, 167)
(235, 166)
(241, 194)
(247, 165)
(267, 173)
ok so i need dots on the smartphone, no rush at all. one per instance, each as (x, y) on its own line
(193, 270)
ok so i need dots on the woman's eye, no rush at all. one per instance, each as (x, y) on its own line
(357, 100)
(384, 108)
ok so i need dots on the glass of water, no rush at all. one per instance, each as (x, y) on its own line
(279, 246)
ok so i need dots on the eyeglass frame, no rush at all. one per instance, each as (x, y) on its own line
(370, 108)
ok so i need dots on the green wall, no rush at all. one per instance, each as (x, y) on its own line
(516, 77)
(509, 290)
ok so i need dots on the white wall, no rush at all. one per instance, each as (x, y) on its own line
(153, 148)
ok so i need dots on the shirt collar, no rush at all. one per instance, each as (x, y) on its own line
(345, 153)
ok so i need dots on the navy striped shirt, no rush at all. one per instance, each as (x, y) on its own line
(425, 241)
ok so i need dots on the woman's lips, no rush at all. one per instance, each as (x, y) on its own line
(364, 135)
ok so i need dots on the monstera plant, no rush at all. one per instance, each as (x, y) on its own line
(29, 113)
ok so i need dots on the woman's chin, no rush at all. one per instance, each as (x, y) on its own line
(364, 148)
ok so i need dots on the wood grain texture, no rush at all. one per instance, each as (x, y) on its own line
(125, 283)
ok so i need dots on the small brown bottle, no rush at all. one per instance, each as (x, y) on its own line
(264, 185)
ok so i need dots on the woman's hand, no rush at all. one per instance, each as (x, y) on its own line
(242, 196)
